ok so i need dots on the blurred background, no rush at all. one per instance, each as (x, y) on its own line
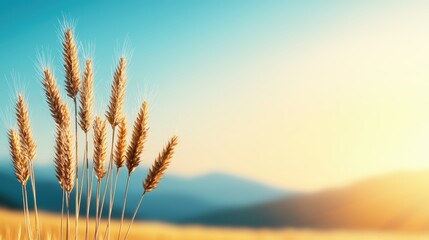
(291, 114)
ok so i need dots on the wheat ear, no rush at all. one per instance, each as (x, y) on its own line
(71, 64)
(18, 160)
(53, 96)
(155, 173)
(121, 144)
(160, 165)
(86, 98)
(138, 139)
(114, 111)
(100, 149)
(134, 150)
(28, 150)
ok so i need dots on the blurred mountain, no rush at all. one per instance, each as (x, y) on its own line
(175, 199)
(398, 201)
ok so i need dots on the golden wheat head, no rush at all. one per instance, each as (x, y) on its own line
(86, 98)
(138, 139)
(64, 160)
(160, 165)
(18, 159)
(121, 144)
(114, 111)
(71, 64)
(59, 157)
(99, 147)
(53, 97)
(27, 143)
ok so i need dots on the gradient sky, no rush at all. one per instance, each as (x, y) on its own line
(297, 94)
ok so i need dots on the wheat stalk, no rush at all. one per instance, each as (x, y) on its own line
(64, 161)
(119, 159)
(71, 67)
(155, 173)
(100, 149)
(72, 84)
(28, 149)
(59, 171)
(114, 115)
(21, 172)
(86, 103)
(134, 150)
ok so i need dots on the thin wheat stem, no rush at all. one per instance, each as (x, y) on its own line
(89, 203)
(111, 206)
(83, 176)
(77, 172)
(109, 169)
(134, 215)
(123, 206)
(111, 180)
(24, 208)
(97, 202)
(88, 191)
(28, 212)
(68, 216)
(62, 213)
(33, 189)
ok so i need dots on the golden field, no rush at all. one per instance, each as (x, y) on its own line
(12, 221)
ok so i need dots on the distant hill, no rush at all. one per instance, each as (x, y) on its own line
(393, 202)
(175, 199)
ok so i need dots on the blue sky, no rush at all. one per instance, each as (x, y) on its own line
(261, 89)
